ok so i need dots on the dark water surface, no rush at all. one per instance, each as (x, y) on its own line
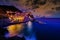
(49, 31)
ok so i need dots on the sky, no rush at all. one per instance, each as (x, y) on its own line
(39, 8)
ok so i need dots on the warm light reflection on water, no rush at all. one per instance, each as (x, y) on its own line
(15, 29)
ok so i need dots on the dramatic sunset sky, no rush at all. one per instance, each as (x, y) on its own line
(39, 8)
